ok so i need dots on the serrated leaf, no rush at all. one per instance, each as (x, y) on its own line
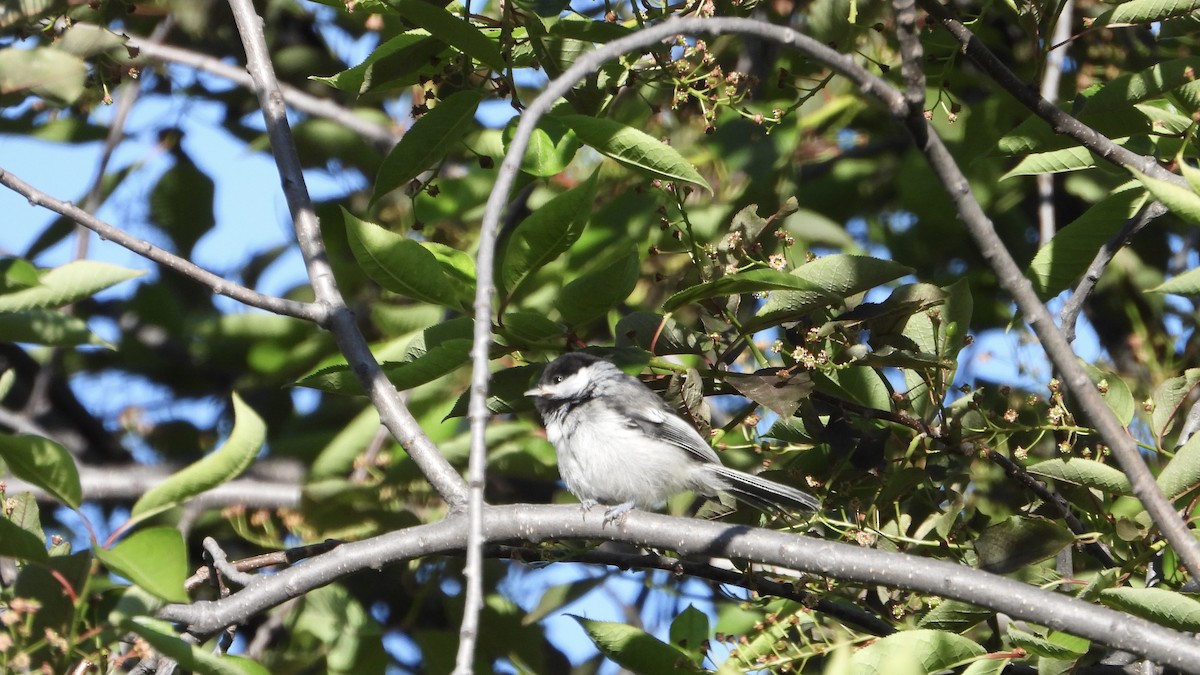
(46, 327)
(454, 31)
(752, 281)
(835, 278)
(544, 235)
(45, 464)
(599, 290)
(1085, 472)
(1066, 257)
(155, 559)
(930, 650)
(1148, 83)
(194, 658)
(634, 148)
(1146, 11)
(66, 284)
(402, 265)
(1054, 161)
(428, 141)
(1159, 605)
(635, 649)
(1018, 541)
(1182, 473)
(222, 465)
(1187, 283)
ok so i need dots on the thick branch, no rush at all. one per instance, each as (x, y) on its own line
(187, 268)
(392, 411)
(692, 537)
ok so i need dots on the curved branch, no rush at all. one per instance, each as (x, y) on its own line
(383, 395)
(189, 269)
(692, 537)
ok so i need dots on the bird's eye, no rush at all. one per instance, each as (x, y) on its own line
(557, 379)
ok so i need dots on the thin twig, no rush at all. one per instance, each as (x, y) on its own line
(911, 54)
(218, 284)
(383, 395)
(1051, 77)
(1074, 304)
(383, 136)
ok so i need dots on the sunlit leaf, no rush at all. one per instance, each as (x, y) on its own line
(635, 649)
(1085, 472)
(428, 141)
(453, 30)
(544, 235)
(634, 148)
(155, 559)
(929, 651)
(1159, 605)
(403, 266)
(66, 284)
(45, 464)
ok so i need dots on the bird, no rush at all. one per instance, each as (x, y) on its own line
(621, 446)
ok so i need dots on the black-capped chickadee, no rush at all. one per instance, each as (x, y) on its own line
(622, 446)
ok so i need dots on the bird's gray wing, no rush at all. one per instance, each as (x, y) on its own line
(660, 422)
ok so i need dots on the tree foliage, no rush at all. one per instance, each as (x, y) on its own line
(799, 241)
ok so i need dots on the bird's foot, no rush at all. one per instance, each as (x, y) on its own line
(617, 512)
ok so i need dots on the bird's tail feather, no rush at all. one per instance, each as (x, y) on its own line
(764, 494)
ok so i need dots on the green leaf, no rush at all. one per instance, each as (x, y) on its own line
(1187, 283)
(635, 649)
(66, 284)
(1054, 161)
(16, 274)
(1054, 646)
(454, 31)
(1170, 400)
(781, 395)
(559, 596)
(19, 542)
(1182, 473)
(551, 147)
(752, 281)
(428, 141)
(222, 465)
(1114, 391)
(181, 203)
(194, 658)
(599, 290)
(1182, 201)
(543, 236)
(689, 632)
(394, 58)
(834, 277)
(659, 334)
(633, 148)
(1066, 257)
(403, 266)
(49, 73)
(441, 359)
(1159, 605)
(506, 393)
(337, 457)
(1086, 472)
(529, 328)
(955, 616)
(930, 651)
(45, 464)
(46, 327)
(1146, 11)
(155, 559)
(1018, 541)
(1152, 82)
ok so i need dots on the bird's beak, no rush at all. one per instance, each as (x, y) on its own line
(536, 391)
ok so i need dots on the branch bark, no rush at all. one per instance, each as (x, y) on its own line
(696, 538)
